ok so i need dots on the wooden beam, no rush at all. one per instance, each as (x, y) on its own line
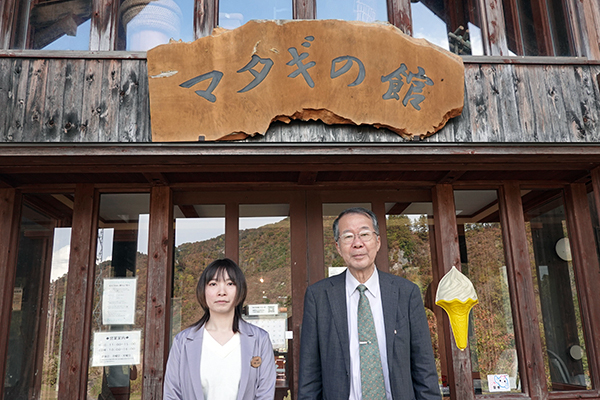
(307, 177)
(299, 268)
(316, 255)
(232, 231)
(206, 17)
(382, 259)
(493, 28)
(104, 25)
(158, 295)
(588, 12)
(522, 296)
(80, 293)
(304, 9)
(156, 178)
(452, 176)
(10, 219)
(399, 15)
(587, 271)
(448, 255)
(8, 11)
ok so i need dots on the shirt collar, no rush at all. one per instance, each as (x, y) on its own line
(372, 283)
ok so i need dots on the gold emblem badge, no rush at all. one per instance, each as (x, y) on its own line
(256, 361)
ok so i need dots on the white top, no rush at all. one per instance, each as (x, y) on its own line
(373, 293)
(220, 367)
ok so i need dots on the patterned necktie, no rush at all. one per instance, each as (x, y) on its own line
(371, 374)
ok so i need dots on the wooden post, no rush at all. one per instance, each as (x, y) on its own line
(400, 16)
(587, 271)
(522, 296)
(448, 254)
(382, 260)
(7, 13)
(314, 226)
(104, 25)
(80, 293)
(10, 219)
(158, 295)
(232, 231)
(206, 17)
(304, 9)
(298, 253)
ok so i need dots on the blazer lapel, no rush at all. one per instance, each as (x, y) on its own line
(193, 351)
(336, 294)
(247, 342)
(389, 301)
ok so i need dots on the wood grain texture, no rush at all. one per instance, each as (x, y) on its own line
(400, 16)
(16, 108)
(158, 296)
(527, 336)
(53, 107)
(104, 24)
(10, 216)
(80, 290)
(587, 271)
(304, 9)
(92, 100)
(106, 100)
(448, 255)
(71, 126)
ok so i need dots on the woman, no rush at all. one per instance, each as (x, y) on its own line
(221, 356)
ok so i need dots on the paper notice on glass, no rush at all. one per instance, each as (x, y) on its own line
(118, 301)
(116, 348)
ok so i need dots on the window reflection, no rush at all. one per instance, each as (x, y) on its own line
(538, 28)
(57, 25)
(235, 13)
(352, 10)
(556, 291)
(199, 240)
(119, 295)
(145, 24)
(491, 329)
(409, 253)
(265, 258)
(456, 29)
(37, 315)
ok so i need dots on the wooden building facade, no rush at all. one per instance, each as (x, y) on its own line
(496, 191)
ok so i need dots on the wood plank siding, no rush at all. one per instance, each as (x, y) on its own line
(106, 100)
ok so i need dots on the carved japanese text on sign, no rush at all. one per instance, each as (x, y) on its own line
(235, 83)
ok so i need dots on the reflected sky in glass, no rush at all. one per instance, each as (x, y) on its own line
(235, 13)
(81, 41)
(352, 10)
(429, 26)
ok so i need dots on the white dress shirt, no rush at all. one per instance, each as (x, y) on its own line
(373, 293)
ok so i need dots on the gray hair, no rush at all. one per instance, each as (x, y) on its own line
(354, 210)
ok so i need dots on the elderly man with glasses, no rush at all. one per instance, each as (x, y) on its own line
(364, 332)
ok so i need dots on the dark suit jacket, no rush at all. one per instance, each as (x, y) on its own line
(325, 345)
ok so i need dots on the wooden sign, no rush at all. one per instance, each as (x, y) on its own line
(235, 83)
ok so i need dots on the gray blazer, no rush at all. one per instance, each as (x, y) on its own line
(325, 344)
(182, 376)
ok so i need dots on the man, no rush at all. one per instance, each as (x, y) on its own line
(340, 313)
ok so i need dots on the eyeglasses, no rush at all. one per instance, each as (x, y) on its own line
(364, 236)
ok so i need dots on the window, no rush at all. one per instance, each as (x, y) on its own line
(456, 28)
(36, 324)
(538, 28)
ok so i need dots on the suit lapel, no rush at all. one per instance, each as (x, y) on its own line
(193, 351)
(336, 294)
(389, 301)
(247, 341)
